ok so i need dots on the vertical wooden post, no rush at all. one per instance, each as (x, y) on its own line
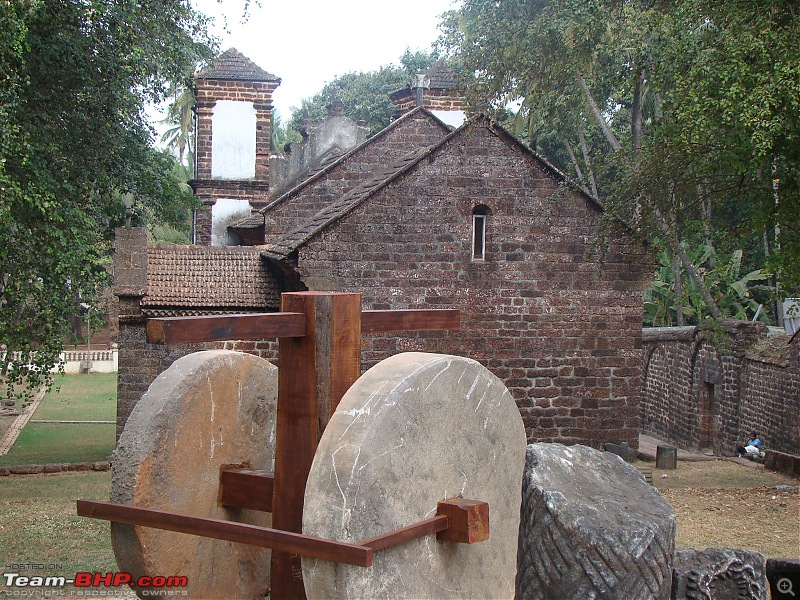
(314, 373)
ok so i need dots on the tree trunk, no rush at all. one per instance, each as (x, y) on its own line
(574, 160)
(778, 303)
(695, 276)
(595, 110)
(676, 275)
(636, 112)
(691, 270)
(587, 161)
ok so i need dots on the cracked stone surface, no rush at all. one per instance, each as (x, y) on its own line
(415, 429)
(206, 410)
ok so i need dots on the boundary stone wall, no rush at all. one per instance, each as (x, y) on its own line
(706, 389)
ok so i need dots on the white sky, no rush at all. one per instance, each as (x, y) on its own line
(309, 42)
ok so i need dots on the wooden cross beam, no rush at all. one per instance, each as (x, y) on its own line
(320, 358)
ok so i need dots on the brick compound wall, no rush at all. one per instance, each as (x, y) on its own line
(705, 389)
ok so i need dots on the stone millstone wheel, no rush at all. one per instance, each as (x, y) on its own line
(207, 410)
(413, 430)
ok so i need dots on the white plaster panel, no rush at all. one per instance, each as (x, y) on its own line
(233, 140)
(225, 212)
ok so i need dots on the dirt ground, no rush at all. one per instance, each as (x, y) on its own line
(724, 504)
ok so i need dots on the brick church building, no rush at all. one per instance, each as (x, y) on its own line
(423, 214)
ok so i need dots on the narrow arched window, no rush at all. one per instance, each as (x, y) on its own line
(479, 220)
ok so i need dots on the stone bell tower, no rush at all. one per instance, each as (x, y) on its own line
(234, 106)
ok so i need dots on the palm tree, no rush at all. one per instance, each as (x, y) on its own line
(180, 136)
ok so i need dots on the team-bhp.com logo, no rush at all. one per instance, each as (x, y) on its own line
(95, 580)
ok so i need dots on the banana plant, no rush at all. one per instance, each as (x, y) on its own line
(731, 290)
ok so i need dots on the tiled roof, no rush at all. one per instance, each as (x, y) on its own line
(287, 244)
(208, 276)
(294, 239)
(232, 65)
(441, 76)
(249, 222)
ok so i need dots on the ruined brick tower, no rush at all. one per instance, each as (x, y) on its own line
(234, 106)
(436, 90)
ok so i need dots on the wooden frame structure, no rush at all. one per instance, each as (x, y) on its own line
(320, 358)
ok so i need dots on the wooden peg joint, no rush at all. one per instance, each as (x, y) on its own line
(467, 521)
(246, 488)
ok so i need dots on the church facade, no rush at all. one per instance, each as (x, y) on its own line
(426, 214)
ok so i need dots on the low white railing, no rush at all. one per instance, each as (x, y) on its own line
(83, 361)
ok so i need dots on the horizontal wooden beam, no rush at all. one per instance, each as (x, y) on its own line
(261, 326)
(406, 534)
(384, 321)
(246, 488)
(264, 537)
(458, 520)
(215, 328)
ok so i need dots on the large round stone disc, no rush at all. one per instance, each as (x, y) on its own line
(413, 430)
(207, 410)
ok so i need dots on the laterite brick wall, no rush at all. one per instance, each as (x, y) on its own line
(208, 190)
(208, 93)
(694, 378)
(162, 281)
(433, 99)
(561, 327)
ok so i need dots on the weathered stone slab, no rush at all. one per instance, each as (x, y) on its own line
(208, 409)
(719, 574)
(622, 450)
(783, 575)
(591, 527)
(415, 429)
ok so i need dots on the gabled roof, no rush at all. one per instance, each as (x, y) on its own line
(291, 241)
(232, 65)
(326, 167)
(347, 202)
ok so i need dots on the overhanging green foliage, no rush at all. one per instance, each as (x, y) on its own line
(682, 117)
(74, 141)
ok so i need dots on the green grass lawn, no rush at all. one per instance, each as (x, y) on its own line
(39, 524)
(82, 397)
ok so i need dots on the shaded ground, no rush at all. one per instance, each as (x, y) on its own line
(721, 503)
(717, 503)
(39, 526)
